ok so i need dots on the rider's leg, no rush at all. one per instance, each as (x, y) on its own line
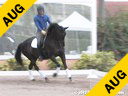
(39, 44)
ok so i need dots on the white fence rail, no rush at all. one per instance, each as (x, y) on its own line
(89, 73)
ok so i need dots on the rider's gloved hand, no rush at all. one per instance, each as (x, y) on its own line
(43, 32)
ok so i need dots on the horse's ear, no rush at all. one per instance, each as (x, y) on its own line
(66, 28)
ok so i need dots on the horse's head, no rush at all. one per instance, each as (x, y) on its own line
(57, 32)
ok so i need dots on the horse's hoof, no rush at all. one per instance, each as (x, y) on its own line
(70, 79)
(46, 79)
(55, 75)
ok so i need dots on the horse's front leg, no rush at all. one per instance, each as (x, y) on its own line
(62, 56)
(58, 66)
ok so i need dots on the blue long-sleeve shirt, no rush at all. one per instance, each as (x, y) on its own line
(41, 22)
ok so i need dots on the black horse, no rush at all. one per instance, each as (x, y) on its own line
(53, 47)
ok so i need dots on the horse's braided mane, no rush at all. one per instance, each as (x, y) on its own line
(53, 26)
(53, 30)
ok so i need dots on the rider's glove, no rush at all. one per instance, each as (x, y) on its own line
(43, 32)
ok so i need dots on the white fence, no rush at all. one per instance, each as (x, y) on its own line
(89, 73)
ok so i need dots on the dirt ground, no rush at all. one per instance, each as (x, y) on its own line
(60, 86)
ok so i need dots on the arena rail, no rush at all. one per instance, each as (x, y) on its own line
(91, 73)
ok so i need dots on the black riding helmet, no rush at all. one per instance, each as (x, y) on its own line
(40, 7)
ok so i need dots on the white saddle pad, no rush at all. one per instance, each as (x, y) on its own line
(34, 43)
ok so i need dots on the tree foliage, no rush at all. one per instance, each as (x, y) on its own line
(113, 34)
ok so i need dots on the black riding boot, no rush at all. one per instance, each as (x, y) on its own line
(39, 45)
(40, 53)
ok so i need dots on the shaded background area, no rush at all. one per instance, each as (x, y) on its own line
(76, 41)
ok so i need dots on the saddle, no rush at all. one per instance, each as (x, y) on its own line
(34, 43)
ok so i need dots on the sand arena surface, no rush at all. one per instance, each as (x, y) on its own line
(60, 86)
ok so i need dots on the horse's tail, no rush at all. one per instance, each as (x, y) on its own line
(18, 55)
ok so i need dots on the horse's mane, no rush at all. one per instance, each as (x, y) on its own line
(53, 30)
(52, 26)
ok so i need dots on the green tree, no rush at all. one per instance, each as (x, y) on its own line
(113, 34)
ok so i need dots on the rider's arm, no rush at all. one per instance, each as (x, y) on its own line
(48, 19)
(37, 24)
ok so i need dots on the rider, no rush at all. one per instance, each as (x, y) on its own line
(41, 20)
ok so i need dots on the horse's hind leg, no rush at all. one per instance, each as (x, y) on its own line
(58, 66)
(43, 76)
(30, 71)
